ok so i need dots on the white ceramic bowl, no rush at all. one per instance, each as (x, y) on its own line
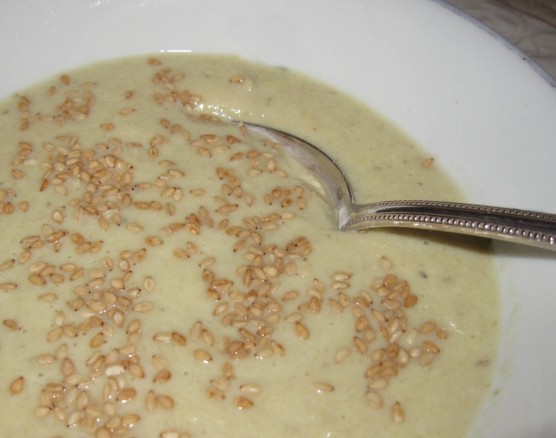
(478, 106)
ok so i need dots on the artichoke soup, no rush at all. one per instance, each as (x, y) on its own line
(165, 273)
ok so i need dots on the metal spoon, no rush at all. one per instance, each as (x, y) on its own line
(519, 226)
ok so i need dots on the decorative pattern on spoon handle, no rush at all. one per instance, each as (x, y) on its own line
(521, 226)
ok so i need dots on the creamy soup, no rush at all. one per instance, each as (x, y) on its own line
(165, 273)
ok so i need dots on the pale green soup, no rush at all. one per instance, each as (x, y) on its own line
(164, 273)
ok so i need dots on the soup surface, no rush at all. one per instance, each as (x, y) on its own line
(165, 273)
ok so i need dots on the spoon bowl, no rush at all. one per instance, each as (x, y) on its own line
(519, 226)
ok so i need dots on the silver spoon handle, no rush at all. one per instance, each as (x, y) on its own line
(520, 226)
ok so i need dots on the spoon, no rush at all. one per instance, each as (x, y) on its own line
(509, 224)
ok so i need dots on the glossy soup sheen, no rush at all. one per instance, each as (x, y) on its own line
(164, 273)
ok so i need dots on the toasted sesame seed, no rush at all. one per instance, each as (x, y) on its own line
(136, 370)
(425, 358)
(427, 164)
(162, 376)
(202, 355)
(24, 257)
(215, 394)
(196, 330)
(242, 403)
(369, 335)
(378, 383)
(378, 315)
(301, 331)
(228, 370)
(114, 370)
(153, 241)
(429, 346)
(360, 345)
(207, 337)
(126, 395)
(397, 412)
(45, 358)
(165, 401)
(220, 308)
(403, 357)
(54, 334)
(361, 323)
(151, 401)
(36, 279)
(375, 399)
(294, 317)
(67, 367)
(251, 388)
(181, 253)
(8, 285)
(42, 411)
(208, 261)
(17, 385)
(342, 354)
(130, 420)
(97, 340)
(410, 301)
(7, 265)
(143, 307)
(134, 227)
(149, 284)
(163, 337)
(11, 324)
(179, 339)
(322, 387)
(237, 79)
(440, 333)
(290, 295)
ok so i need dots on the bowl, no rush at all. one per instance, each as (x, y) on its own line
(480, 107)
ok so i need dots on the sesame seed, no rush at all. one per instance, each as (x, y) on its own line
(149, 284)
(378, 383)
(7, 265)
(397, 412)
(375, 399)
(322, 387)
(17, 385)
(179, 339)
(151, 401)
(202, 356)
(143, 307)
(126, 395)
(251, 388)
(209, 261)
(163, 337)
(162, 376)
(301, 331)
(243, 403)
(165, 402)
(8, 285)
(360, 345)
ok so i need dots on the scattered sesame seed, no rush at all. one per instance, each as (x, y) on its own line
(17, 385)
